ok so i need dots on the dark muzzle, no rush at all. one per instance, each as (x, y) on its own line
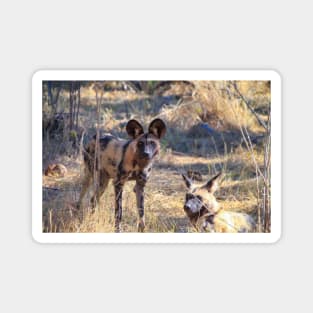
(146, 155)
(192, 206)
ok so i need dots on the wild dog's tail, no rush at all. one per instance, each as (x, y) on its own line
(85, 152)
(88, 158)
(81, 144)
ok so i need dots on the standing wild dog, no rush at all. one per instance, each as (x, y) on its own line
(123, 160)
(201, 207)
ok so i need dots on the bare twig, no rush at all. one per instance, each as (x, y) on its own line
(99, 95)
(266, 188)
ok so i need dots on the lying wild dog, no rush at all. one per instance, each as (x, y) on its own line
(55, 170)
(201, 207)
(123, 160)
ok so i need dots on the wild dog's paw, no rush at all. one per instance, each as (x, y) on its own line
(117, 228)
(141, 225)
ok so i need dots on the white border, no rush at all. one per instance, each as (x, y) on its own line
(41, 75)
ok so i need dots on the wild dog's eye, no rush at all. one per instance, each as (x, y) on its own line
(189, 196)
(199, 198)
(140, 144)
(153, 144)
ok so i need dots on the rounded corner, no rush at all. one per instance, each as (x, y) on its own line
(37, 75)
(276, 75)
(36, 237)
(276, 238)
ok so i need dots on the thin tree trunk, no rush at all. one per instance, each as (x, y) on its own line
(50, 96)
(71, 105)
(78, 104)
(53, 100)
(96, 173)
(56, 100)
(74, 107)
(267, 162)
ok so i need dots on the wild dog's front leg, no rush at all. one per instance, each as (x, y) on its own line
(208, 224)
(139, 189)
(118, 188)
(140, 207)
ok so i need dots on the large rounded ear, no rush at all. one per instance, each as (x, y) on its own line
(134, 129)
(158, 128)
(187, 180)
(213, 184)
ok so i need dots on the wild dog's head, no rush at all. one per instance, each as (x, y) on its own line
(146, 145)
(200, 199)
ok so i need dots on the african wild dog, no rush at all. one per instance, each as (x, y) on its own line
(56, 170)
(201, 207)
(123, 160)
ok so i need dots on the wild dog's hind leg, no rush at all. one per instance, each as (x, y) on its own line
(139, 189)
(85, 185)
(103, 183)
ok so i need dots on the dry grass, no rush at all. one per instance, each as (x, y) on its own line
(213, 102)
(164, 198)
